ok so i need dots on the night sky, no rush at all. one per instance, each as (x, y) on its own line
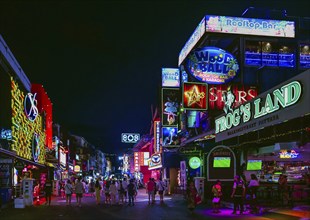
(100, 61)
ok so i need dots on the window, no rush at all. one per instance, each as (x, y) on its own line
(304, 56)
(258, 53)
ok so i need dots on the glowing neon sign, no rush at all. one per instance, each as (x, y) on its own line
(286, 154)
(212, 65)
(284, 97)
(194, 162)
(24, 131)
(30, 106)
(250, 26)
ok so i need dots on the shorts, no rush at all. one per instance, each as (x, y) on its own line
(160, 192)
(79, 195)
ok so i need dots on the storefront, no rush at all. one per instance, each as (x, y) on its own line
(272, 134)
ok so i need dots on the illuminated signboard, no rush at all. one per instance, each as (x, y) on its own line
(169, 136)
(284, 102)
(194, 162)
(212, 65)
(170, 105)
(155, 162)
(136, 161)
(284, 97)
(250, 26)
(230, 96)
(195, 96)
(170, 77)
(194, 38)
(26, 134)
(157, 137)
(30, 106)
(288, 154)
(6, 134)
(62, 157)
(77, 168)
(130, 137)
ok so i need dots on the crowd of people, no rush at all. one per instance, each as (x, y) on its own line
(110, 192)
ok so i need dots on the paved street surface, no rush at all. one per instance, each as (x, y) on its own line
(174, 207)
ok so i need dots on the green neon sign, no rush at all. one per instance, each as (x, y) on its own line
(194, 162)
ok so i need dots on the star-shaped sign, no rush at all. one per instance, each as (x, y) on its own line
(195, 96)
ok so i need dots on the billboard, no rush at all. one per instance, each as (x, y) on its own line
(195, 96)
(170, 77)
(170, 105)
(212, 65)
(250, 26)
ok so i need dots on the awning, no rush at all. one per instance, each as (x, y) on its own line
(30, 162)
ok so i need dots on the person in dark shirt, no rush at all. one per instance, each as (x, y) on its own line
(131, 192)
(48, 188)
(238, 194)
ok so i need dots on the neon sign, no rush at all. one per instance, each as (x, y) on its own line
(195, 96)
(30, 106)
(194, 162)
(170, 77)
(250, 26)
(212, 65)
(284, 97)
(130, 137)
(24, 130)
(286, 154)
(157, 136)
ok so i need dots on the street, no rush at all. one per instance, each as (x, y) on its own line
(174, 207)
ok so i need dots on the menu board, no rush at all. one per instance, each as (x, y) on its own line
(5, 173)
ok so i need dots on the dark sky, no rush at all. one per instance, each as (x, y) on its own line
(100, 61)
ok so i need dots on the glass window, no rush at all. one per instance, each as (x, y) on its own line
(269, 54)
(253, 53)
(304, 56)
(286, 56)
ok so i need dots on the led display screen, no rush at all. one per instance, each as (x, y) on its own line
(254, 165)
(220, 162)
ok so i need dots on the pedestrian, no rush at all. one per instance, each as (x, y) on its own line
(125, 185)
(217, 194)
(131, 193)
(91, 188)
(79, 190)
(107, 193)
(191, 193)
(161, 185)
(150, 187)
(68, 192)
(238, 194)
(253, 186)
(97, 192)
(48, 188)
(113, 192)
(284, 189)
(120, 192)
